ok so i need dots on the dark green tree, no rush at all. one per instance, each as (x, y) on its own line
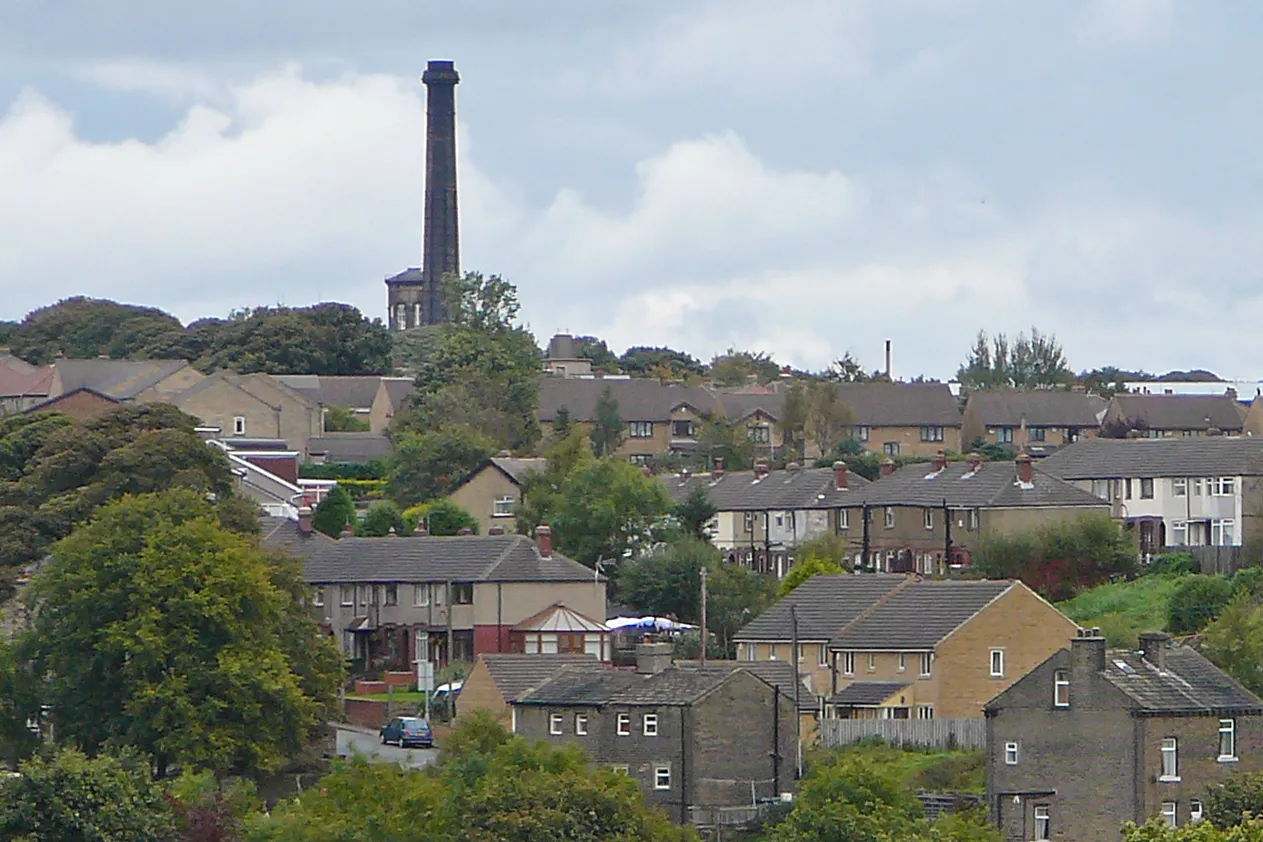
(1196, 602)
(139, 628)
(695, 512)
(19, 702)
(737, 368)
(660, 363)
(339, 419)
(381, 517)
(1034, 362)
(1234, 641)
(594, 349)
(1235, 800)
(428, 465)
(1061, 558)
(668, 582)
(562, 423)
(484, 304)
(442, 517)
(82, 328)
(334, 512)
(735, 595)
(607, 430)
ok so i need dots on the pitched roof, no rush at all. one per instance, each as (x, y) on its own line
(559, 618)
(824, 605)
(582, 685)
(514, 675)
(397, 390)
(1189, 683)
(738, 405)
(255, 385)
(411, 275)
(119, 379)
(867, 692)
(1182, 412)
(517, 468)
(993, 484)
(351, 448)
(16, 364)
(19, 378)
(806, 488)
(900, 404)
(468, 558)
(1101, 458)
(638, 399)
(51, 403)
(1038, 408)
(281, 533)
(353, 392)
(916, 617)
(778, 674)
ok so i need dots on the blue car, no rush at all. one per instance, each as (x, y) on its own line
(407, 731)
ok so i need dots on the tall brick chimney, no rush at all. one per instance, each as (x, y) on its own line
(717, 469)
(544, 540)
(1087, 650)
(1153, 646)
(839, 476)
(887, 467)
(304, 520)
(1025, 470)
(939, 462)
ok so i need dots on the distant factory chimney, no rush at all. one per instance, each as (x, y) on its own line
(889, 376)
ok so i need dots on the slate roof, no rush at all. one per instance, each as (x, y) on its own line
(411, 275)
(51, 403)
(467, 558)
(825, 605)
(397, 390)
(993, 484)
(675, 685)
(350, 448)
(353, 392)
(19, 378)
(118, 379)
(776, 673)
(1140, 458)
(806, 488)
(1190, 683)
(638, 399)
(919, 615)
(1182, 412)
(867, 692)
(900, 404)
(281, 533)
(1039, 408)
(518, 468)
(244, 382)
(739, 405)
(514, 675)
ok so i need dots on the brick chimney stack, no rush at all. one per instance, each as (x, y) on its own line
(495, 530)
(1087, 650)
(348, 531)
(304, 520)
(653, 657)
(973, 461)
(717, 469)
(1153, 646)
(1025, 469)
(544, 540)
(939, 462)
(420, 530)
(887, 466)
(839, 476)
(760, 469)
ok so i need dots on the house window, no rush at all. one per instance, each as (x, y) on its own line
(1146, 489)
(872, 661)
(420, 595)
(759, 433)
(927, 658)
(891, 449)
(662, 776)
(1061, 689)
(392, 594)
(1170, 759)
(1179, 533)
(554, 723)
(771, 651)
(860, 432)
(925, 711)
(624, 724)
(1101, 488)
(1195, 812)
(348, 594)
(682, 429)
(844, 518)
(462, 593)
(1226, 486)
(973, 520)
(748, 521)
(649, 725)
(848, 663)
(239, 425)
(888, 517)
(1004, 435)
(1010, 754)
(822, 655)
(931, 434)
(581, 724)
(504, 506)
(319, 597)
(640, 429)
(1127, 489)
(1179, 488)
(902, 665)
(997, 663)
(748, 652)
(401, 317)
(928, 517)
(1197, 487)
(1227, 740)
(620, 768)
(1221, 532)
(640, 460)
(1168, 813)
(1035, 433)
(1043, 823)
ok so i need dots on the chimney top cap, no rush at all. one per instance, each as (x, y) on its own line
(1154, 635)
(839, 464)
(440, 72)
(1022, 457)
(543, 529)
(304, 511)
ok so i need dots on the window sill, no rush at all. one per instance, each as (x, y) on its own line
(1168, 779)
(1226, 759)
(998, 677)
(497, 514)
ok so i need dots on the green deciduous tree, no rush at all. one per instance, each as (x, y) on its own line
(735, 595)
(19, 701)
(1234, 641)
(1196, 601)
(381, 519)
(1233, 801)
(1156, 830)
(85, 327)
(1035, 362)
(805, 569)
(334, 512)
(428, 465)
(695, 513)
(442, 517)
(594, 349)
(659, 363)
(607, 430)
(159, 629)
(1058, 559)
(339, 419)
(737, 368)
(720, 438)
(827, 420)
(667, 583)
(482, 303)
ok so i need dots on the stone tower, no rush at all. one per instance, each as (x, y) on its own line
(413, 296)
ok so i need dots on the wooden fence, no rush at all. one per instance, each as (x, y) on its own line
(927, 733)
(1222, 561)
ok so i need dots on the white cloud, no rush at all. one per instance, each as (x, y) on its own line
(1126, 22)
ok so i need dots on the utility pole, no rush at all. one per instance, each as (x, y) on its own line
(947, 538)
(704, 573)
(798, 683)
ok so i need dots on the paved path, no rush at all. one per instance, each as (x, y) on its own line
(361, 741)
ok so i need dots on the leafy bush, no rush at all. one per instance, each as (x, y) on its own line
(1173, 564)
(382, 517)
(1228, 803)
(1198, 600)
(959, 772)
(1250, 580)
(1059, 559)
(375, 469)
(442, 517)
(364, 489)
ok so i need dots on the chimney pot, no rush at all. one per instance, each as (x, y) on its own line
(465, 530)
(939, 462)
(839, 475)
(304, 520)
(496, 530)
(420, 530)
(792, 467)
(717, 468)
(1153, 646)
(1087, 650)
(390, 533)
(544, 540)
(760, 469)
(652, 658)
(974, 461)
(347, 531)
(1025, 470)
(887, 466)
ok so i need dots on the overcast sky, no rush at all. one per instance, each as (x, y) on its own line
(804, 178)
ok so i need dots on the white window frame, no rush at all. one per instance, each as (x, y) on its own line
(1043, 822)
(1196, 482)
(1061, 681)
(1179, 533)
(420, 596)
(749, 651)
(1179, 487)
(623, 724)
(649, 725)
(844, 518)
(996, 663)
(581, 724)
(888, 517)
(860, 432)
(239, 425)
(872, 661)
(1226, 486)
(346, 595)
(318, 597)
(554, 723)
(1170, 753)
(1195, 811)
(902, 662)
(929, 518)
(927, 664)
(771, 651)
(925, 711)
(640, 429)
(1004, 435)
(662, 776)
(1146, 488)
(1228, 728)
(1223, 532)
(1169, 814)
(1010, 754)
(848, 663)
(504, 506)
(822, 655)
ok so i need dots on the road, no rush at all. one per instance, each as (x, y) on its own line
(364, 742)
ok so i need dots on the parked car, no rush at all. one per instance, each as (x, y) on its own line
(407, 731)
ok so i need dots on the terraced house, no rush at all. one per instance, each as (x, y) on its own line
(1042, 418)
(1172, 492)
(1176, 416)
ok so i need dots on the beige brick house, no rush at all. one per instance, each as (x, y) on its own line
(253, 406)
(493, 492)
(1042, 418)
(126, 381)
(1177, 416)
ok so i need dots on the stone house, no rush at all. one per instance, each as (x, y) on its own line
(940, 649)
(253, 406)
(1177, 416)
(1172, 492)
(396, 600)
(902, 419)
(493, 492)
(930, 517)
(1042, 418)
(498, 679)
(126, 381)
(691, 736)
(762, 515)
(1091, 739)
(392, 394)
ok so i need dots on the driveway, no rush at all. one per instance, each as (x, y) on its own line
(352, 740)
